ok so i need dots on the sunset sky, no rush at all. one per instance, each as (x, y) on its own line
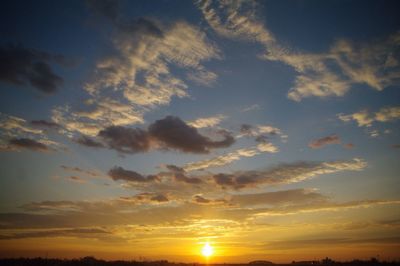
(146, 129)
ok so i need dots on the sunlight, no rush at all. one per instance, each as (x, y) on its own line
(207, 250)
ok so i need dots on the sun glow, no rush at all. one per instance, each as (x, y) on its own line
(207, 250)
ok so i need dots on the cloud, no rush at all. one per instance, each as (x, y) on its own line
(285, 197)
(81, 171)
(365, 119)
(198, 199)
(71, 232)
(167, 133)
(336, 242)
(260, 132)
(126, 140)
(325, 206)
(179, 174)
(98, 113)
(285, 173)
(76, 179)
(44, 124)
(146, 198)
(22, 66)
(173, 133)
(222, 159)
(119, 173)
(137, 73)
(89, 142)
(251, 108)
(206, 121)
(331, 73)
(28, 144)
(15, 126)
(321, 142)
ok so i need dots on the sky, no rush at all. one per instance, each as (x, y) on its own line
(267, 130)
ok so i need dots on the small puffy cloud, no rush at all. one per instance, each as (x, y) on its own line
(210, 121)
(119, 173)
(267, 147)
(27, 144)
(321, 142)
(22, 66)
(364, 118)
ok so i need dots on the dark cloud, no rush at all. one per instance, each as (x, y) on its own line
(168, 133)
(396, 146)
(173, 133)
(21, 66)
(119, 173)
(89, 142)
(45, 124)
(106, 8)
(126, 140)
(74, 232)
(204, 201)
(146, 197)
(293, 196)
(29, 144)
(246, 129)
(319, 143)
(180, 175)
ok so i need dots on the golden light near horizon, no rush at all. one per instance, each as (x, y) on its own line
(207, 250)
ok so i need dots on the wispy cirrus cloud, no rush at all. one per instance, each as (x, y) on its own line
(136, 76)
(375, 64)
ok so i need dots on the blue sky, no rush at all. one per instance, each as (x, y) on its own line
(264, 109)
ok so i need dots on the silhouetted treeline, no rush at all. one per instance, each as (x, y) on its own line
(91, 261)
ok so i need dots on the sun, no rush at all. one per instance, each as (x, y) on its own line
(207, 250)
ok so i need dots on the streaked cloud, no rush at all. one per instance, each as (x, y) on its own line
(285, 173)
